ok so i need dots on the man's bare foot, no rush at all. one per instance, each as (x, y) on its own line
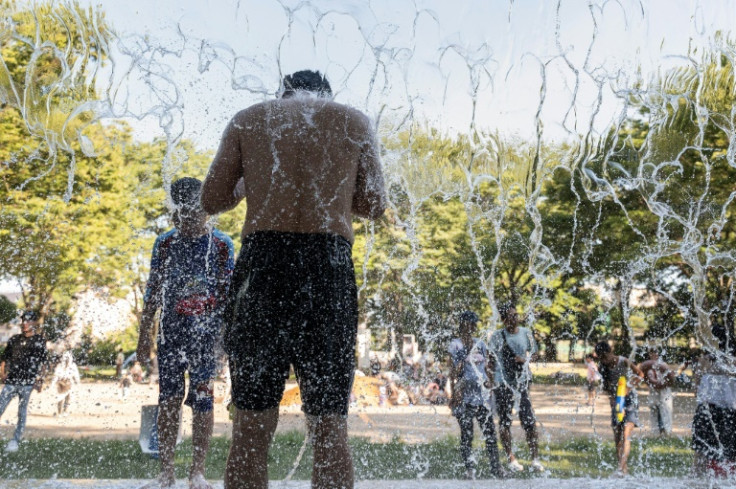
(160, 483)
(197, 481)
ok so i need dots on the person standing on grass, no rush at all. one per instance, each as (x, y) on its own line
(66, 376)
(119, 359)
(592, 378)
(188, 283)
(470, 373)
(22, 367)
(660, 377)
(714, 423)
(305, 165)
(513, 347)
(612, 368)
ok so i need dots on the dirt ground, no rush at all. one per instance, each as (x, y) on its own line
(98, 411)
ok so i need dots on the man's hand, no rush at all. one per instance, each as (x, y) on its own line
(520, 359)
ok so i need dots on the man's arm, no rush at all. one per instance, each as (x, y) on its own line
(369, 199)
(218, 190)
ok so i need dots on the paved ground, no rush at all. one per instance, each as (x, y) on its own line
(99, 412)
(628, 483)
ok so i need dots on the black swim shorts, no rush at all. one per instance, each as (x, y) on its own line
(293, 301)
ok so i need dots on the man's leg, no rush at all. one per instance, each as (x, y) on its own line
(6, 395)
(169, 411)
(485, 420)
(465, 420)
(333, 464)
(504, 407)
(24, 396)
(247, 463)
(655, 414)
(665, 411)
(529, 423)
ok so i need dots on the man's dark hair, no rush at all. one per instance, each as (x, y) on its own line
(468, 317)
(30, 315)
(306, 80)
(505, 309)
(185, 192)
(602, 348)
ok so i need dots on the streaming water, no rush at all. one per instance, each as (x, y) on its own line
(575, 157)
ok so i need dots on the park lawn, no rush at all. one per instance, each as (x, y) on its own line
(86, 459)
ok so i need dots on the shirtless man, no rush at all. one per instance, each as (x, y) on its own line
(305, 165)
(660, 377)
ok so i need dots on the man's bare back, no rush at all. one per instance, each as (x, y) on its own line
(307, 164)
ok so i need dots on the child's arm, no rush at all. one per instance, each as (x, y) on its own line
(151, 301)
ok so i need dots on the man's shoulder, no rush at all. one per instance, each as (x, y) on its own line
(322, 104)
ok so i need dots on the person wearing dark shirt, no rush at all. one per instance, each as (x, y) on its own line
(613, 368)
(188, 284)
(22, 365)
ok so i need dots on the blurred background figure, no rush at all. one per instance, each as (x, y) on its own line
(660, 377)
(136, 372)
(66, 376)
(593, 379)
(125, 382)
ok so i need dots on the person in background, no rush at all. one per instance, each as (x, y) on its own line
(66, 376)
(612, 368)
(714, 423)
(660, 377)
(513, 348)
(119, 359)
(125, 382)
(593, 379)
(470, 371)
(136, 372)
(191, 267)
(22, 367)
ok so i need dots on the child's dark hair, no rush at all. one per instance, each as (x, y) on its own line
(305, 80)
(602, 348)
(185, 191)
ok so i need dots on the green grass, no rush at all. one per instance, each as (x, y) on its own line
(96, 372)
(87, 459)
